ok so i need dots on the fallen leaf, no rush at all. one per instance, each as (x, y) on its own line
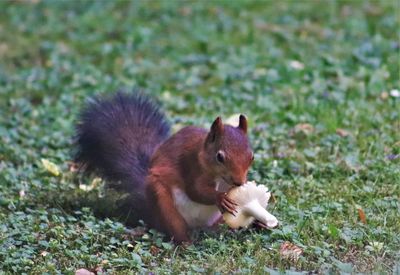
(384, 95)
(362, 216)
(104, 262)
(3, 49)
(154, 250)
(51, 167)
(185, 11)
(30, 1)
(290, 251)
(342, 132)
(304, 128)
(83, 271)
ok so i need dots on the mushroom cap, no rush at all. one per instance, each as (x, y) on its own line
(246, 195)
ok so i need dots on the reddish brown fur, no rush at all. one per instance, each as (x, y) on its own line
(187, 161)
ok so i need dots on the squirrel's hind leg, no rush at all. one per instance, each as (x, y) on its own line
(165, 215)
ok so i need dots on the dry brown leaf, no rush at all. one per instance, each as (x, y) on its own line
(290, 251)
(342, 132)
(362, 216)
(304, 128)
(185, 11)
(154, 250)
(384, 95)
(104, 262)
(3, 49)
(83, 271)
(29, 1)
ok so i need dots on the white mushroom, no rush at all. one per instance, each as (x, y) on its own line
(252, 200)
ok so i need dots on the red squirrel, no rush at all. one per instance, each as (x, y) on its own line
(174, 178)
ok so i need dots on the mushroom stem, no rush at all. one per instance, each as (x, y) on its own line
(254, 209)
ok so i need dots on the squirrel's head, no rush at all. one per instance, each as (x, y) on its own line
(228, 151)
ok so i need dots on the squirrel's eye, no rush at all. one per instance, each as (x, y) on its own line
(220, 157)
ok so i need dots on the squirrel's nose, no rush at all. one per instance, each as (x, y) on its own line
(238, 183)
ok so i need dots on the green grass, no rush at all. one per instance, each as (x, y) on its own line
(201, 60)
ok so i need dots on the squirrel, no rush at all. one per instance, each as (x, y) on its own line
(175, 179)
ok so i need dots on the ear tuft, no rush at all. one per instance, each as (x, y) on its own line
(243, 123)
(216, 130)
(217, 124)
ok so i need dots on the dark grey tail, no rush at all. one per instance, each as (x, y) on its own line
(117, 137)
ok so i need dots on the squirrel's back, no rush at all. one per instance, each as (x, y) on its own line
(117, 137)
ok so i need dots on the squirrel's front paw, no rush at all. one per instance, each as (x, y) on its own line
(226, 204)
(258, 225)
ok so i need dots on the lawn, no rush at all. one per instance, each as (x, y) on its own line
(318, 80)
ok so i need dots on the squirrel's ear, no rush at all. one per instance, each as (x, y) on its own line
(243, 123)
(216, 130)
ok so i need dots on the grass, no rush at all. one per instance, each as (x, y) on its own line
(317, 80)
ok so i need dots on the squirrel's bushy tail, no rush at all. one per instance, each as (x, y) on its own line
(117, 136)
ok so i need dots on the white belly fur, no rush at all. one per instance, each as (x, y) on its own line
(195, 214)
